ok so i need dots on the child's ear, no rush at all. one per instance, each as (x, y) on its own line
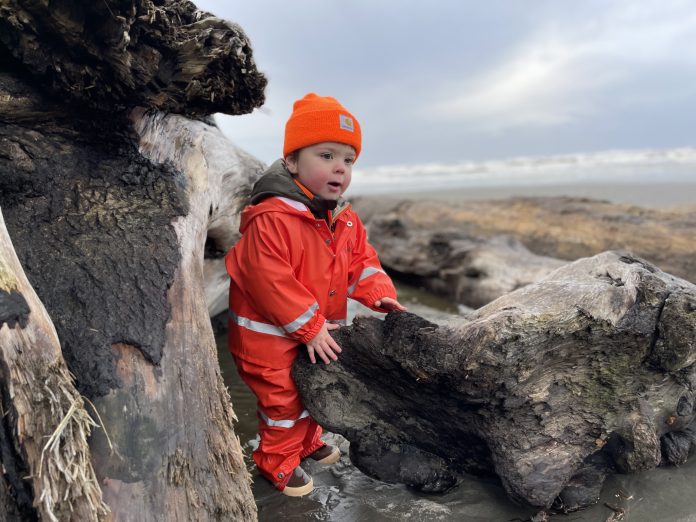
(291, 163)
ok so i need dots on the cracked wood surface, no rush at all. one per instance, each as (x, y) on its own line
(551, 387)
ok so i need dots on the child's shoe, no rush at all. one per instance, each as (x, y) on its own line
(326, 455)
(299, 484)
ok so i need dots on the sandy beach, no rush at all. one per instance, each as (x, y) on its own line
(657, 195)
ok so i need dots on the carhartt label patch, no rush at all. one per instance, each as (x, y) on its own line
(345, 122)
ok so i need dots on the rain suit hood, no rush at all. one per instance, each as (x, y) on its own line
(277, 181)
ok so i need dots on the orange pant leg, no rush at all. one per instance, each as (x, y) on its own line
(288, 433)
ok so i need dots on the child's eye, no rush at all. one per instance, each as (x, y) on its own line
(326, 155)
(349, 161)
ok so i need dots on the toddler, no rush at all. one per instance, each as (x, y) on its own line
(303, 251)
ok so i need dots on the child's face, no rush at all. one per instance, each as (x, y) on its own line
(325, 168)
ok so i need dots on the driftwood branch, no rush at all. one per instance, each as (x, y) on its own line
(467, 270)
(550, 387)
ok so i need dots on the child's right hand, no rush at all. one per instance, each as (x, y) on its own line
(323, 345)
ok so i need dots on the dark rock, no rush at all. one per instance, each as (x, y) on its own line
(677, 445)
(585, 486)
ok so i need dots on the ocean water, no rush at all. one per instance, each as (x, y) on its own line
(623, 176)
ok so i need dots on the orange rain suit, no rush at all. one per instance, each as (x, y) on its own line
(290, 272)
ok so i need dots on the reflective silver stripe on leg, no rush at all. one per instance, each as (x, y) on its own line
(302, 320)
(256, 326)
(284, 423)
(367, 272)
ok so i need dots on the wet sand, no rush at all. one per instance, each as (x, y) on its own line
(654, 195)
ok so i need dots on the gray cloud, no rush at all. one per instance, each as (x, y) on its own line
(449, 81)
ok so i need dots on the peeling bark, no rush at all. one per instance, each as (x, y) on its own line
(45, 426)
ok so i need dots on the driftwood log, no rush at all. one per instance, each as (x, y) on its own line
(476, 251)
(114, 242)
(112, 205)
(551, 387)
(468, 270)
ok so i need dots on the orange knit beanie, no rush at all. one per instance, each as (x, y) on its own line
(320, 118)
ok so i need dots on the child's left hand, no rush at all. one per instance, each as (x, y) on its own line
(389, 304)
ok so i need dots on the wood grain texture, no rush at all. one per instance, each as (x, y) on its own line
(113, 55)
(45, 455)
(551, 387)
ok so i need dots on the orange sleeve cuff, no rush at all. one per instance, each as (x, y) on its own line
(380, 291)
(314, 329)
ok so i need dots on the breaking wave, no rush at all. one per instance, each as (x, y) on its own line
(618, 166)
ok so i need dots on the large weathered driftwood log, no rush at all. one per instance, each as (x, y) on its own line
(44, 429)
(112, 55)
(113, 243)
(468, 270)
(551, 386)
(456, 234)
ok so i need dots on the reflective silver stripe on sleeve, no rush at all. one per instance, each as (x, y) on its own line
(256, 326)
(302, 320)
(284, 423)
(367, 272)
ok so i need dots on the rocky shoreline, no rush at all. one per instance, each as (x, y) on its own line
(475, 251)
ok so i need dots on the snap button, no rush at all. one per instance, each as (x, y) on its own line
(328, 241)
(349, 223)
(281, 475)
(332, 292)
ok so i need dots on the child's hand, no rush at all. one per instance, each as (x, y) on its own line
(389, 304)
(323, 345)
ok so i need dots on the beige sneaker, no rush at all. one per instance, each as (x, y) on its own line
(299, 484)
(326, 455)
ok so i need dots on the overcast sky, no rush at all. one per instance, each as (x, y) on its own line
(462, 80)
